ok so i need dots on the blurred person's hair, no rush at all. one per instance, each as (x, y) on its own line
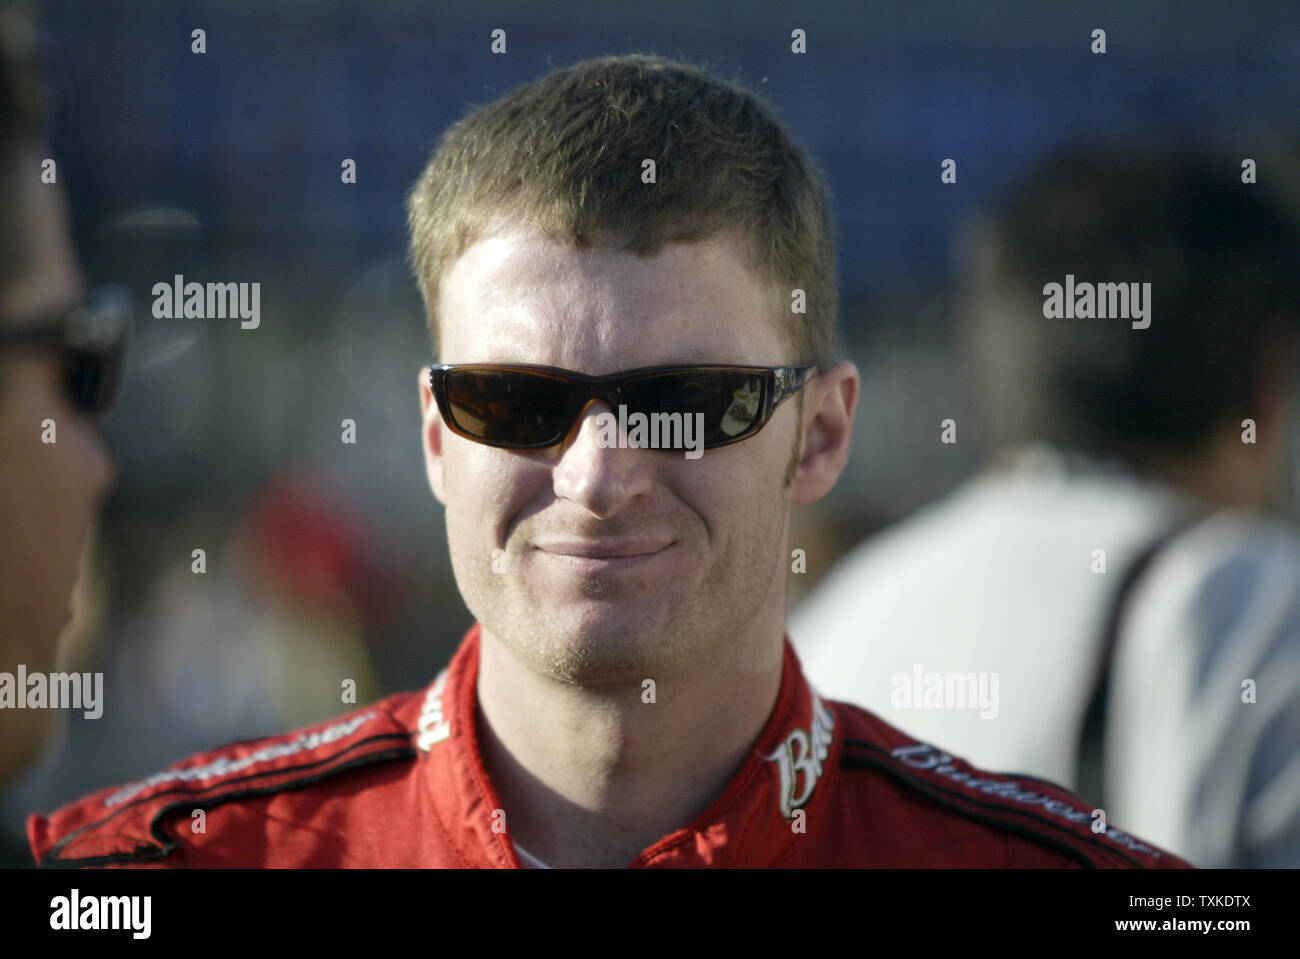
(1221, 257)
(21, 126)
(564, 154)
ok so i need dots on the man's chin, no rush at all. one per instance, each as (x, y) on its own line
(608, 642)
(594, 643)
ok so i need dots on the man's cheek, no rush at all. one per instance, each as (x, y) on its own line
(475, 528)
(470, 563)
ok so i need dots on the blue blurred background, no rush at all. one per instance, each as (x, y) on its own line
(329, 560)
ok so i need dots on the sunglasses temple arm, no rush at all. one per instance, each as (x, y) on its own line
(789, 380)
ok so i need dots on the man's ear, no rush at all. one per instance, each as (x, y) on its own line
(431, 437)
(830, 402)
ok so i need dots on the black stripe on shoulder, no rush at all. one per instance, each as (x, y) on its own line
(936, 792)
(145, 852)
(866, 762)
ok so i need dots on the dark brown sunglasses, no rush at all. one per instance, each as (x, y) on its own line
(90, 339)
(535, 407)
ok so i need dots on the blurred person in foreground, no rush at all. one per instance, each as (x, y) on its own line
(628, 696)
(58, 362)
(49, 491)
(1116, 568)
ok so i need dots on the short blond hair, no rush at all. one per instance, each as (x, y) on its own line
(564, 153)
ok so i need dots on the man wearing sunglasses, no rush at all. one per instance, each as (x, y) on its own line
(628, 695)
(58, 361)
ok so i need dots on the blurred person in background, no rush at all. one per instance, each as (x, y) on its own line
(1116, 567)
(266, 637)
(58, 362)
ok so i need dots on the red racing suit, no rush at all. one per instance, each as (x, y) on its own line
(401, 783)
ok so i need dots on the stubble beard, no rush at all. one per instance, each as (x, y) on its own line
(690, 627)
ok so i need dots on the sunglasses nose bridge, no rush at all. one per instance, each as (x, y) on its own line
(581, 406)
(597, 392)
(583, 393)
(611, 393)
(580, 393)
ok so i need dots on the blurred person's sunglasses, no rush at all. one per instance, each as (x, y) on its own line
(90, 339)
(535, 407)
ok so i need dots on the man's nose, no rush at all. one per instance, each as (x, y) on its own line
(594, 473)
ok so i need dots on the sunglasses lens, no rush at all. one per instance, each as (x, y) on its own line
(510, 407)
(94, 348)
(731, 401)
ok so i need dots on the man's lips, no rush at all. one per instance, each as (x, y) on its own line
(604, 555)
(605, 549)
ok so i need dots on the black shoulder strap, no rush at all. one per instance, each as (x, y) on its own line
(1090, 769)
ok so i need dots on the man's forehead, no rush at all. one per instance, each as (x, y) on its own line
(518, 259)
(515, 292)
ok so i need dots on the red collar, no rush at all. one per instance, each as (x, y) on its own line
(759, 815)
